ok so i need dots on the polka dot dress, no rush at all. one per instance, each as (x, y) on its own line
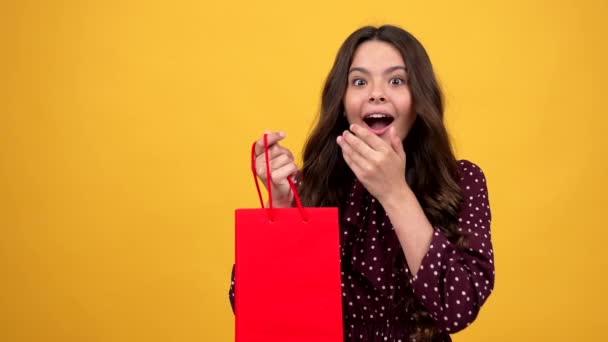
(378, 291)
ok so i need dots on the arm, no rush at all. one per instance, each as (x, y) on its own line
(413, 229)
(451, 283)
(231, 291)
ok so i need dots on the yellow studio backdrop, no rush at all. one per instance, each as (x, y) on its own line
(125, 129)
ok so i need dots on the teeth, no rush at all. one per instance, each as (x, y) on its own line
(377, 116)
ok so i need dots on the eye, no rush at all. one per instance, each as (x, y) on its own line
(358, 82)
(397, 81)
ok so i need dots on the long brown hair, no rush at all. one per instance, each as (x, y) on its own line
(432, 169)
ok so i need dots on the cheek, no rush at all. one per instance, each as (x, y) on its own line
(351, 106)
(404, 103)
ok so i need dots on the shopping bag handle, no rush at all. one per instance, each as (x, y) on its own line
(268, 180)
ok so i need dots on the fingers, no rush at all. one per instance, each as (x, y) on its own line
(351, 153)
(277, 150)
(273, 152)
(278, 156)
(283, 172)
(357, 145)
(369, 138)
(273, 138)
(280, 161)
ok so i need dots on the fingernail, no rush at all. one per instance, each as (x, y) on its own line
(351, 126)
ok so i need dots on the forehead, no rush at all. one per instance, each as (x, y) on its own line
(375, 54)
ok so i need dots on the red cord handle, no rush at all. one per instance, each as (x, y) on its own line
(268, 178)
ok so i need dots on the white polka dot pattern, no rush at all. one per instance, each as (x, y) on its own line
(463, 278)
(377, 286)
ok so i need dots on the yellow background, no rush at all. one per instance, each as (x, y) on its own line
(125, 129)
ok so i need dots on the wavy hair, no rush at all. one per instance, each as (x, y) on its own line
(432, 170)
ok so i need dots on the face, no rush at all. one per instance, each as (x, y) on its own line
(378, 95)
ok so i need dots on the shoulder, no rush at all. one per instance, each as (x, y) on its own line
(475, 194)
(472, 177)
(468, 169)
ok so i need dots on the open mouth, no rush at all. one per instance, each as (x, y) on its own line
(378, 122)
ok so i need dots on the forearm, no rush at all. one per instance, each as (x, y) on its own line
(281, 204)
(411, 225)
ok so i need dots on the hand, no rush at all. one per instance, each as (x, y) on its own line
(282, 166)
(379, 166)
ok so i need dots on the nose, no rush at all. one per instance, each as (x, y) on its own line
(377, 96)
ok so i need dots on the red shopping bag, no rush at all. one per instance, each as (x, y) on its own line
(287, 272)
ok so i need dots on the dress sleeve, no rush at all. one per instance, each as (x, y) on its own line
(231, 291)
(453, 283)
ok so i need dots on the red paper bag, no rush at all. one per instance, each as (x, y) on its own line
(287, 272)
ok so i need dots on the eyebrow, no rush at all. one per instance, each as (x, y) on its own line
(387, 71)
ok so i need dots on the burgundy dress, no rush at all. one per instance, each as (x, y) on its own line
(378, 291)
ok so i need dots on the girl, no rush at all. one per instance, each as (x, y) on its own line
(417, 259)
